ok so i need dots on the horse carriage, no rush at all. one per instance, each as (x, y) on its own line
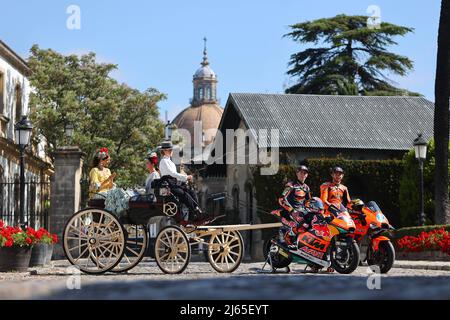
(97, 241)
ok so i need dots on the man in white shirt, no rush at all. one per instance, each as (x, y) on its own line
(168, 169)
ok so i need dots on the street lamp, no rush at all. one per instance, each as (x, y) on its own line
(22, 135)
(68, 130)
(420, 149)
(169, 131)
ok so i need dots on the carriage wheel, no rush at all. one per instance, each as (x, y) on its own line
(172, 250)
(136, 245)
(93, 240)
(225, 251)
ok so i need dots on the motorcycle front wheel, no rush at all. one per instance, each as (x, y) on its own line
(345, 259)
(384, 257)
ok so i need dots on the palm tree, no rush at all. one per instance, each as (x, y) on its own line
(441, 116)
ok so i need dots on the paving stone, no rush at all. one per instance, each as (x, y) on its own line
(200, 281)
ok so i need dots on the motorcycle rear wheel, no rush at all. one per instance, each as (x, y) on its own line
(349, 263)
(277, 260)
(383, 258)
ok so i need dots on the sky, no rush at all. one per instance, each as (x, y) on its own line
(159, 44)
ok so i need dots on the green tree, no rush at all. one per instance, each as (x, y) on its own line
(441, 116)
(78, 90)
(349, 57)
(409, 188)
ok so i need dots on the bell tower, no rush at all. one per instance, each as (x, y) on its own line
(205, 83)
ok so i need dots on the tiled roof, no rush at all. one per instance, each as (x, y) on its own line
(321, 121)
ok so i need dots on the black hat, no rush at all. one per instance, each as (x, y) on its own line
(166, 145)
(302, 168)
(337, 169)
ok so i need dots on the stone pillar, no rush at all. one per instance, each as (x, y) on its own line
(65, 191)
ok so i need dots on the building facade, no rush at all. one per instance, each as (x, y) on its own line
(14, 103)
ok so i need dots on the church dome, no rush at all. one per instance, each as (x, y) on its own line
(209, 115)
(205, 72)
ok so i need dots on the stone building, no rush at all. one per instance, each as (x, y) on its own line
(312, 126)
(14, 103)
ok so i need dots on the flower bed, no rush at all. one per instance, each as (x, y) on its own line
(431, 245)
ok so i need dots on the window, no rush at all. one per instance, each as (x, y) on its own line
(18, 102)
(208, 93)
(16, 199)
(2, 93)
(200, 93)
(2, 196)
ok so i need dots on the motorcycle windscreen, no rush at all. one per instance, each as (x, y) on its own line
(373, 206)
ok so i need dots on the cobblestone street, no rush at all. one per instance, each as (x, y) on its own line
(199, 281)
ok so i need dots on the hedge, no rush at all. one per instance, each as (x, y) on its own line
(409, 187)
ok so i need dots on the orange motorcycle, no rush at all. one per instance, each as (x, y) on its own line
(326, 243)
(371, 225)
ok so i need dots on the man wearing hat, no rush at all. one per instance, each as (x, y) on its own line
(168, 169)
(292, 203)
(334, 192)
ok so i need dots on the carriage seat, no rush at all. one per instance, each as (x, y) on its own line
(96, 203)
(161, 187)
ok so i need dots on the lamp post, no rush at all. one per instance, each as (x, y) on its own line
(169, 130)
(68, 130)
(420, 149)
(22, 135)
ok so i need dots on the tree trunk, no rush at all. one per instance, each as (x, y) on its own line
(441, 116)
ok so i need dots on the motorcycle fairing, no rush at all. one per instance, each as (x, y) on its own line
(311, 258)
(376, 242)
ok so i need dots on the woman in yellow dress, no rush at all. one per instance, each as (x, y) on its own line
(100, 177)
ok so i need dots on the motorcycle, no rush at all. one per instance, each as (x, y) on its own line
(376, 248)
(328, 242)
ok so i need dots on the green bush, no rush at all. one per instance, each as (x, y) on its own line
(409, 188)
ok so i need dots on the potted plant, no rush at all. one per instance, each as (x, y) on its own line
(15, 248)
(48, 239)
(39, 251)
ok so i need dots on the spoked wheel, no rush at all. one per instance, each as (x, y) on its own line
(172, 250)
(225, 251)
(94, 241)
(136, 245)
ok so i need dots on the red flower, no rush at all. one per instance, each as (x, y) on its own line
(29, 241)
(54, 238)
(9, 243)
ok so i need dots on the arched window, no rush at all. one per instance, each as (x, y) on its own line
(2, 92)
(249, 217)
(200, 93)
(214, 93)
(236, 203)
(2, 194)
(18, 96)
(208, 93)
